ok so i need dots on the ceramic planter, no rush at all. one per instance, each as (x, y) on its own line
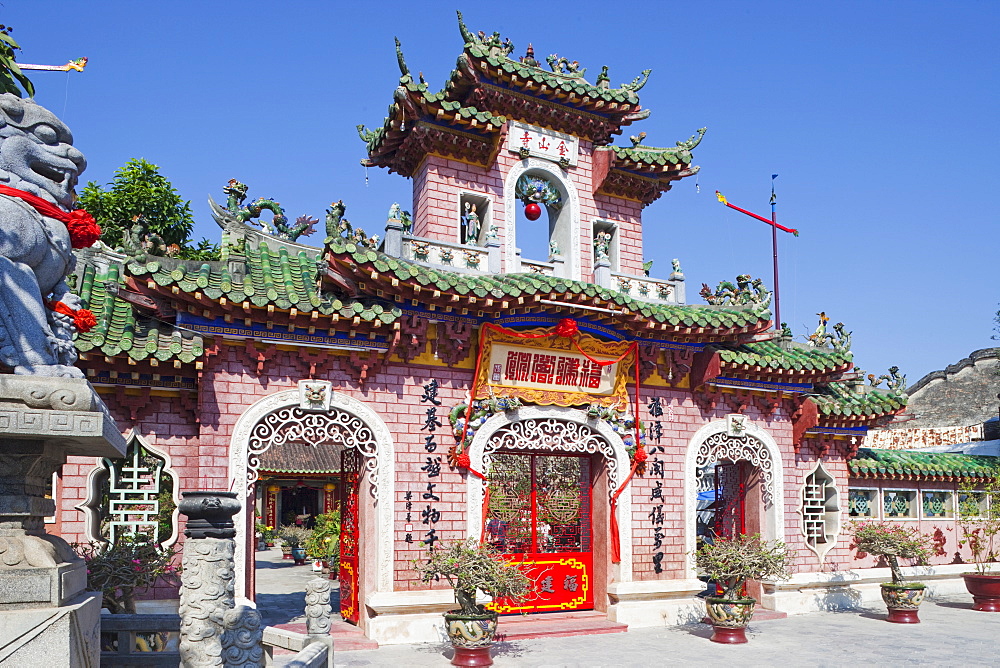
(471, 636)
(299, 555)
(903, 601)
(729, 618)
(286, 552)
(985, 590)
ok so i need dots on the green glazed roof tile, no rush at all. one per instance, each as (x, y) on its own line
(872, 462)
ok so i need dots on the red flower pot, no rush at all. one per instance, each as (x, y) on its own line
(985, 590)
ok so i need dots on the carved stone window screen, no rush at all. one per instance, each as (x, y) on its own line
(721, 446)
(820, 511)
(294, 425)
(552, 435)
(125, 496)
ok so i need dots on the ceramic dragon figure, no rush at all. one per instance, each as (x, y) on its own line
(39, 168)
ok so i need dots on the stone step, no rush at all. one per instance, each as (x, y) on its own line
(346, 637)
(556, 625)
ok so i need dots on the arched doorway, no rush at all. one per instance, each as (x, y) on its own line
(741, 464)
(568, 466)
(347, 424)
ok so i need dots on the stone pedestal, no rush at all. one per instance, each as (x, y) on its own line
(46, 616)
(602, 272)
(213, 632)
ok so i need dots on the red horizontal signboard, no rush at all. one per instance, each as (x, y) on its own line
(561, 581)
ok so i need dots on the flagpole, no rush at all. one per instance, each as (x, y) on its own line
(773, 222)
(774, 248)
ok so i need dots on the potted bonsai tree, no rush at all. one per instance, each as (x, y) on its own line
(893, 541)
(469, 566)
(295, 539)
(730, 562)
(979, 522)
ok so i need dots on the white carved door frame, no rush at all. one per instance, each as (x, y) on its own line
(601, 440)
(756, 446)
(379, 466)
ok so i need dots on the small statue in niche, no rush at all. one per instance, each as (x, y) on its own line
(602, 245)
(472, 224)
(554, 249)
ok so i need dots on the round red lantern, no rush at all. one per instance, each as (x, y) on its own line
(532, 211)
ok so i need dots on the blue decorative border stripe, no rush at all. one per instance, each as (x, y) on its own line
(219, 327)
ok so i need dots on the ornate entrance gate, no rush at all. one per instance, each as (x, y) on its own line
(351, 462)
(539, 516)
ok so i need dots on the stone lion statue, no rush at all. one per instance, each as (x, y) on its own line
(39, 168)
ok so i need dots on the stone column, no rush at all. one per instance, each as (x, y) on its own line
(393, 242)
(207, 576)
(318, 615)
(558, 266)
(493, 255)
(46, 616)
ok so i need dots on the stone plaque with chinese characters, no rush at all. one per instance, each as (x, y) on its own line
(542, 143)
(554, 370)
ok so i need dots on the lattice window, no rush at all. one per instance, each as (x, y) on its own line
(937, 504)
(133, 496)
(863, 503)
(973, 504)
(820, 510)
(899, 504)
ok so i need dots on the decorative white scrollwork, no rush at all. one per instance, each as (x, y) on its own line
(294, 425)
(721, 446)
(554, 435)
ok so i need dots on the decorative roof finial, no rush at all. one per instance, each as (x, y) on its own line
(603, 80)
(403, 69)
(529, 57)
(694, 140)
(466, 35)
(638, 82)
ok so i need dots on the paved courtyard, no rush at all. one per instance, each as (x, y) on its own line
(951, 634)
(281, 588)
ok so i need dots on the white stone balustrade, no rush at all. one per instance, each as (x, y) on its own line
(648, 289)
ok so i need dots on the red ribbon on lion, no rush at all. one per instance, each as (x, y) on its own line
(83, 229)
(83, 319)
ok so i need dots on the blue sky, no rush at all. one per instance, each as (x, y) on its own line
(879, 117)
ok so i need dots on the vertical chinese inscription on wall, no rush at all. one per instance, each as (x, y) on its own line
(427, 496)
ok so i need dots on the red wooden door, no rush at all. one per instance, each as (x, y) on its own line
(350, 471)
(730, 499)
(539, 516)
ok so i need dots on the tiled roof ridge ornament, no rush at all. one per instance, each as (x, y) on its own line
(693, 140)
(338, 227)
(638, 82)
(840, 339)
(563, 66)
(895, 381)
(404, 71)
(747, 293)
(278, 227)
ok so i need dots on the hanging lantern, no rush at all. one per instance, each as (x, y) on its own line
(532, 211)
